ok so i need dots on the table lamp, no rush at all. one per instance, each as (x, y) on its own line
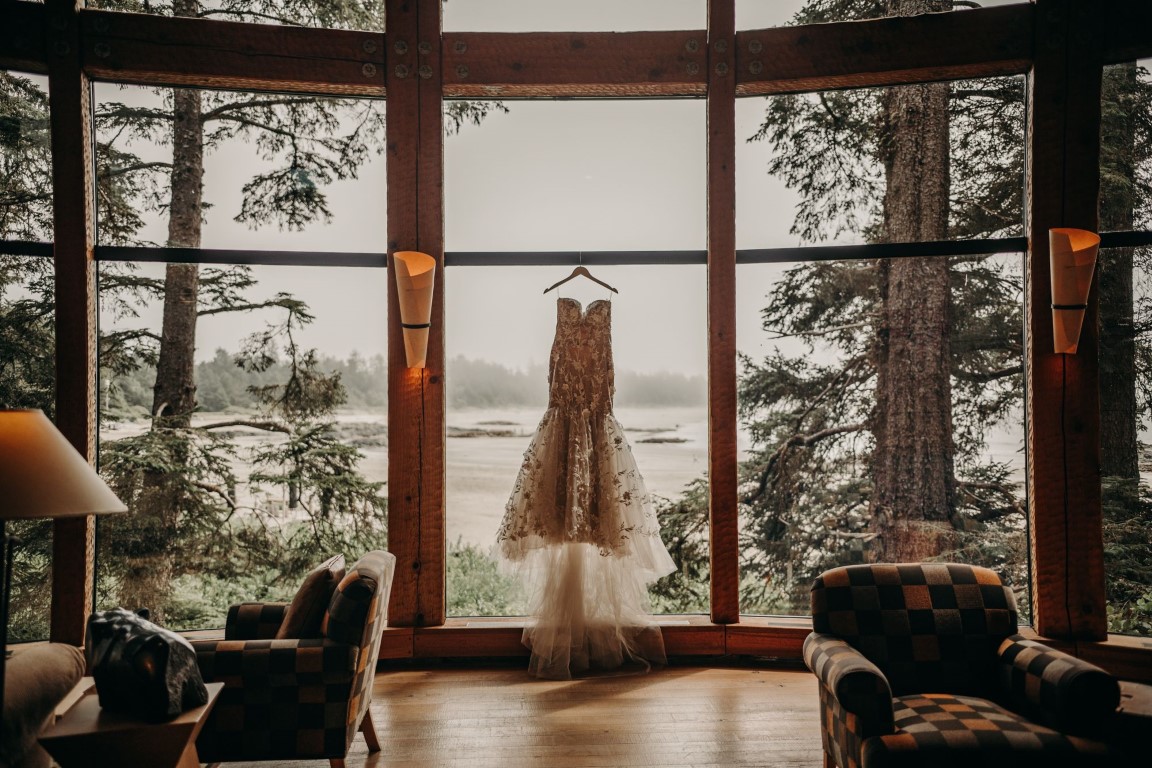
(41, 476)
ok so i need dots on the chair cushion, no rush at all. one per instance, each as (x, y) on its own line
(306, 611)
(945, 730)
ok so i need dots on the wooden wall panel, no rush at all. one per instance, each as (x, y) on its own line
(855, 54)
(74, 217)
(142, 48)
(495, 65)
(722, 508)
(1062, 390)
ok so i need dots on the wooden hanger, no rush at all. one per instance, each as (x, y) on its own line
(581, 271)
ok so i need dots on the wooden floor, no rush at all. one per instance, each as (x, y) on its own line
(489, 717)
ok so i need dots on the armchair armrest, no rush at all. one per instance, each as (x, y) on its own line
(1054, 688)
(852, 680)
(276, 663)
(254, 621)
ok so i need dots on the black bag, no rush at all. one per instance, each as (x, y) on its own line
(140, 668)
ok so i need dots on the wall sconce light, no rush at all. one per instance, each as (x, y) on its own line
(1073, 259)
(415, 279)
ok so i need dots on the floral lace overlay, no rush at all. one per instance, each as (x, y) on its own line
(579, 481)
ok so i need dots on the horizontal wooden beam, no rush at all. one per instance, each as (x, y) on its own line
(592, 64)
(26, 248)
(158, 50)
(1127, 32)
(938, 46)
(173, 255)
(22, 38)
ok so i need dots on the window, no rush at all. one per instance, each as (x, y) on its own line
(560, 177)
(855, 450)
(27, 315)
(242, 405)
(1125, 314)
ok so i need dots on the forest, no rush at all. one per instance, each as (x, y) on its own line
(869, 443)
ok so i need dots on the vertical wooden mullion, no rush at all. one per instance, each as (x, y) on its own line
(430, 236)
(415, 397)
(722, 506)
(404, 385)
(74, 232)
(1063, 178)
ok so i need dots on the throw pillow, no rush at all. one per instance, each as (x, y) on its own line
(306, 611)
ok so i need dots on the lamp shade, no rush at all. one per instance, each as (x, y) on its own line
(42, 475)
(1073, 259)
(415, 280)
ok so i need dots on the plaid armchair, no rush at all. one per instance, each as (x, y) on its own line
(303, 698)
(920, 664)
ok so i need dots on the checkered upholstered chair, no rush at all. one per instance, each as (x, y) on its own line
(920, 665)
(304, 698)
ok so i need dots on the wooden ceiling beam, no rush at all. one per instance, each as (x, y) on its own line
(159, 50)
(855, 54)
(558, 64)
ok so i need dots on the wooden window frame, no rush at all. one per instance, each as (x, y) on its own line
(1061, 45)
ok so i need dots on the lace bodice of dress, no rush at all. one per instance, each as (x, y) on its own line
(580, 372)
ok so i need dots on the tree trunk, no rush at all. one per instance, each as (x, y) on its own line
(148, 568)
(1118, 416)
(912, 466)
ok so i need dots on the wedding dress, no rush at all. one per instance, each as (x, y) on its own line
(580, 521)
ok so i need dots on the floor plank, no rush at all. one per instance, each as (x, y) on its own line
(499, 717)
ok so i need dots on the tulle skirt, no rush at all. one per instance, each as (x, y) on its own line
(581, 528)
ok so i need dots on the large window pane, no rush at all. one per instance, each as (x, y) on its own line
(277, 172)
(27, 318)
(563, 16)
(880, 401)
(262, 457)
(876, 425)
(1125, 319)
(575, 176)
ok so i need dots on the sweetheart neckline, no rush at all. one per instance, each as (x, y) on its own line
(581, 309)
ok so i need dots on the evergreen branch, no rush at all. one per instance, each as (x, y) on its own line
(988, 512)
(110, 173)
(243, 307)
(988, 376)
(823, 332)
(267, 426)
(216, 490)
(223, 110)
(123, 336)
(243, 121)
(126, 113)
(244, 15)
(798, 441)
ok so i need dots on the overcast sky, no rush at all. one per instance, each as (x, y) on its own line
(562, 175)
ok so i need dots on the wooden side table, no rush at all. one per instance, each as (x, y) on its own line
(88, 736)
(1133, 718)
